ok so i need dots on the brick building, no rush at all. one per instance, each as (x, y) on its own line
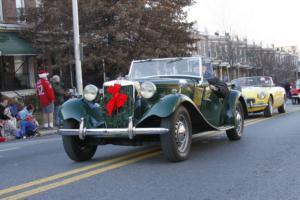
(233, 57)
(17, 56)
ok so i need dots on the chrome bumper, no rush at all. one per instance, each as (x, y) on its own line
(252, 104)
(256, 105)
(129, 132)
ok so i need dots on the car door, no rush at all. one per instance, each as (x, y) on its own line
(211, 106)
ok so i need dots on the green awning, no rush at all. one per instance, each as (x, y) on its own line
(11, 44)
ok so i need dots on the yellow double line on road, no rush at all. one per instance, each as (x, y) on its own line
(75, 175)
(115, 163)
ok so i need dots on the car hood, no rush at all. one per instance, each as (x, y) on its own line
(167, 86)
(252, 91)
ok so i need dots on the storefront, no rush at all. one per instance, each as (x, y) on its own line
(17, 62)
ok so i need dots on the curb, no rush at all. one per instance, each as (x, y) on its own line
(48, 132)
(42, 133)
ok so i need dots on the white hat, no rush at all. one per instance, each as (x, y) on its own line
(56, 78)
(43, 74)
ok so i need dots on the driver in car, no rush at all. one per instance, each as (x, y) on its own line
(206, 73)
(218, 86)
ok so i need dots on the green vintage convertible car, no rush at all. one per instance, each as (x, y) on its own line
(161, 100)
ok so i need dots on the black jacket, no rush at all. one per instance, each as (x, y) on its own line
(2, 115)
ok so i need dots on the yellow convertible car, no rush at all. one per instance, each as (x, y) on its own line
(261, 94)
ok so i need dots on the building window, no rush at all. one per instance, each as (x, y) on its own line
(1, 11)
(21, 72)
(20, 6)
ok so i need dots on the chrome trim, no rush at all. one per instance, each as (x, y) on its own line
(130, 128)
(256, 105)
(121, 82)
(114, 132)
(82, 129)
(129, 132)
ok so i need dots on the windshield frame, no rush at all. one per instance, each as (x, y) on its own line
(234, 81)
(200, 77)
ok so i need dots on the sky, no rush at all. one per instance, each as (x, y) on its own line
(268, 21)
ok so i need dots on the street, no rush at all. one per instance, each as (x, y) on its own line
(264, 164)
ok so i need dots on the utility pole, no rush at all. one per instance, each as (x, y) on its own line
(77, 47)
(104, 74)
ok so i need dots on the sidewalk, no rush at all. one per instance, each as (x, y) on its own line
(43, 132)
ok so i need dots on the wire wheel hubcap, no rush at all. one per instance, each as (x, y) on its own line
(239, 122)
(181, 134)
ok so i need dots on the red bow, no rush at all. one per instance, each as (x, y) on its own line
(117, 101)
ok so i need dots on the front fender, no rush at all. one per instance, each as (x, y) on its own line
(73, 109)
(76, 109)
(232, 99)
(166, 106)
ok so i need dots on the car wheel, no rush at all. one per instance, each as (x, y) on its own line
(294, 101)
(176, 144)
(282, 108)
(77, 150)
(269, 110)
(237, 132)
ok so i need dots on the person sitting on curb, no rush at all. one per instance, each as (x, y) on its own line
(2, 139)
(28, 124)
(8, 122)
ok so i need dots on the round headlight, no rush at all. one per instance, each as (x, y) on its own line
(90, 92)
(148, 89)
(261, 95)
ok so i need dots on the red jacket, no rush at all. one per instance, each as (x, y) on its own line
(45, 92)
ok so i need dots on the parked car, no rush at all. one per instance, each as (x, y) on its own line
(163, 100)
(295, 93)
(261, 94)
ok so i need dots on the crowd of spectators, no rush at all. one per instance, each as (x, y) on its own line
(18, 121)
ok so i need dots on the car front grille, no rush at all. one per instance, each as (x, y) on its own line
(250, 101)
(120, 117)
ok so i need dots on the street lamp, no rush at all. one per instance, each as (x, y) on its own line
(77, 47)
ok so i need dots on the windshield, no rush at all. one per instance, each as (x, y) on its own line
(260, 81)
(168, 67)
